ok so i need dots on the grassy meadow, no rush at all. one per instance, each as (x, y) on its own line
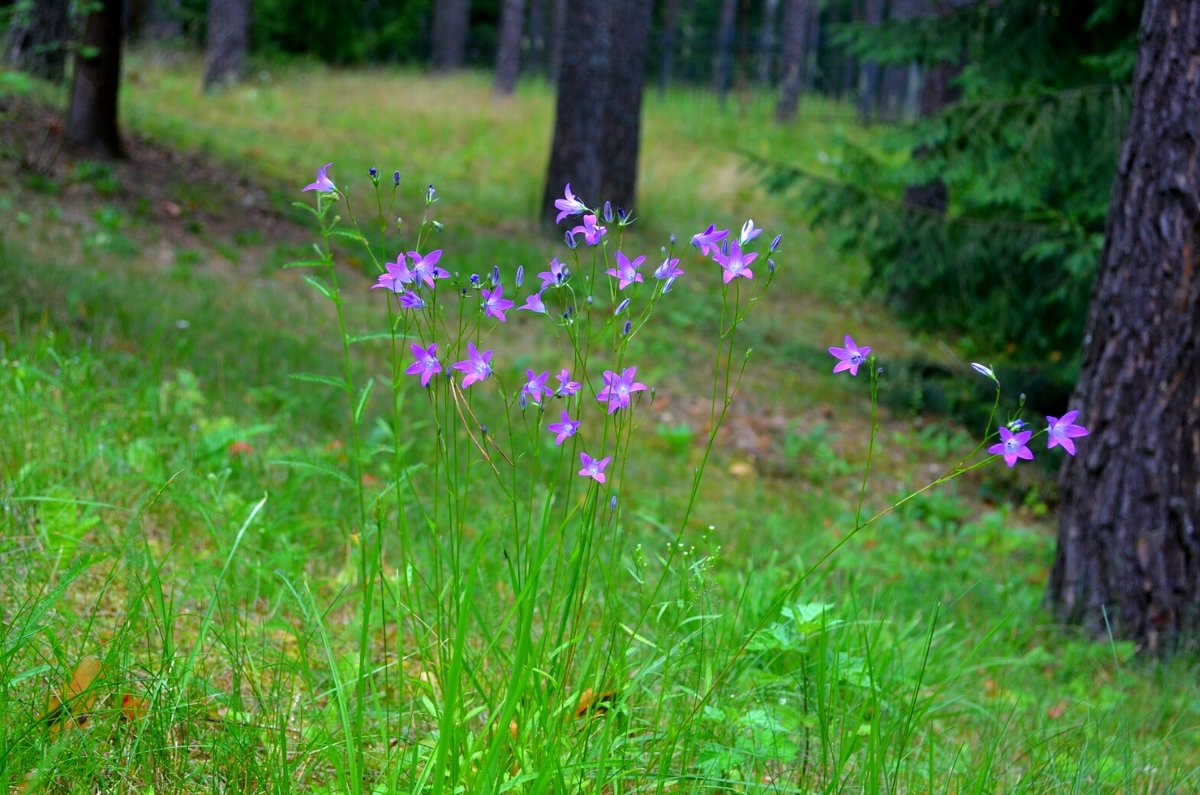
(242, 581)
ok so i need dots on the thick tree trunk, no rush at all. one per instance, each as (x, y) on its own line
(92, 115)
(227, 43)
(1128, 552)
(579, 111)
(508, 53)
(723, 63)
(38, 39)
(767, 43)
(537, 34)
(557, 35)
(451, 22)
(795, 58)
(621, 138)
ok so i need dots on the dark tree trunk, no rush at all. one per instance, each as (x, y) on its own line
(811, 61)
(227, 43)
(451, 21)
(537, 34)
(164, 20)
(848, 87)
(938, 91)
(670, 26)
(767, 43)
(795, 58)
(508, 54)
(92, 115)
(868, 83)
(621, 138)
(38, 39)
(579, 111)
(557, 45)
(1128, 545)
(723, 63)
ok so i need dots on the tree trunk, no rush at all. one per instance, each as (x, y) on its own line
(227, 43)
(868, 83)
(164, 20)
(579, 123)
(621, 138)
(451, 21)
(558, 33)
(723, 63)
(537, 34)
(670, 26)
(1128, 552)
(767, 43)
(508, 53)
(38, 38)
(795, 57)
(92, 116)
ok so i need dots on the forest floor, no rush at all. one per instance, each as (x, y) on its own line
(148, 334)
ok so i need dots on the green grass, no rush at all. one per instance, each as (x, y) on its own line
(167, 505)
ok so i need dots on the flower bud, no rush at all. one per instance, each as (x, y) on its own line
(520, 274)
(608, 215)
(621, 307)
(775, 244)
(570, 238)
(395, 177)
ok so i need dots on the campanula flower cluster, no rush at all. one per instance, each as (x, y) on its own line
(563, 290)
(1014, 437)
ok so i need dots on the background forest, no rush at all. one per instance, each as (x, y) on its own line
(503, 454)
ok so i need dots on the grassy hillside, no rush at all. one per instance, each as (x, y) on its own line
(288, 587)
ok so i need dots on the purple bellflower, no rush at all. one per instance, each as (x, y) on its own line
(568, 205)
(593, 468)
(534, 303)
(1012, 446)
(425, 269)
(564, 429)
(708, 241)
(749, 232)
(591, 230)
(566, 387)
(850, 357)
(426, 364)
(556, 276)
(626, 272)
(495, 304)
(669, 270)
(735, 263)
(477, 366)
(323, 183)
(394, 277)
(1062, 430)
(618, 389)
(535, 387)
(410, 300)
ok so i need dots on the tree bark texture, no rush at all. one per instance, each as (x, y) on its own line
(1128, 552)
(670, 21)
(868, 83)
(164, 20)
(227, 43)
(795, 59)
(723, 63)
(575, 155)
(558, 33)
(451, 22)
(622, 134)
(537, 34)
(92, 115)
(766, 42)
(38, 39)
(508, 53)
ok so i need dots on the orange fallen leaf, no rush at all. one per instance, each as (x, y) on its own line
(73, 705)
(1057, 710)
(595, 703)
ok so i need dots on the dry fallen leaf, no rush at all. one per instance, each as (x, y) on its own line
(73, 706)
